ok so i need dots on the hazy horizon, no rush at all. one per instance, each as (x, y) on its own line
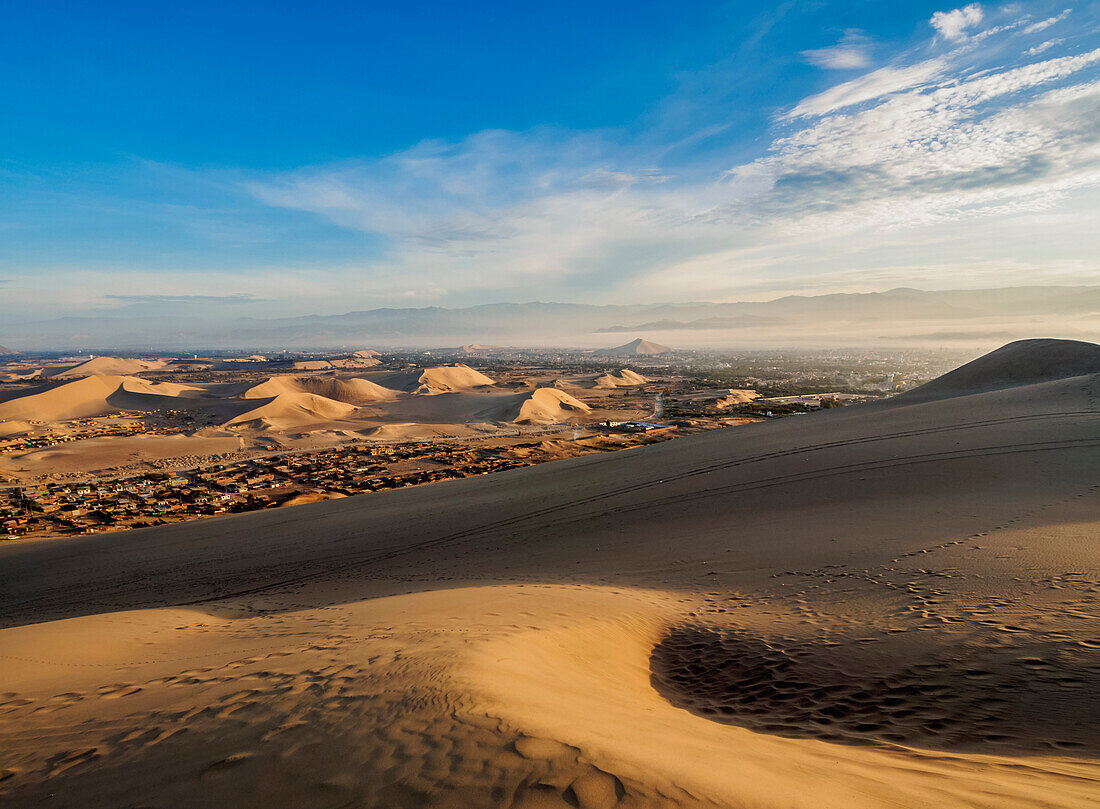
(975, 318)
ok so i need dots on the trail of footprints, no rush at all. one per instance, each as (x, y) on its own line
(817, 690)
(1021, 685)
(342, 734)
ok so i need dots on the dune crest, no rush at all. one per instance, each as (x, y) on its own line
(625, 378)
(81, 398)
(549, 406)
(450, 379)
(288, 410)
(1023, 362)
(351, 391)
(110, 366)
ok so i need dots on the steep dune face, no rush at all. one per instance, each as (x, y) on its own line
(292, 409)
(82, 398)
(110, 366)
(438, 379)
(449, 378)
(549, 406)
(143, 387)
(626, 378)
(1023, 362)
(349, 391)
(101, 395)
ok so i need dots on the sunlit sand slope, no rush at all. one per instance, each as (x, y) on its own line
(889, 606)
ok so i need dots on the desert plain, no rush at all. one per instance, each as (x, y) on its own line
(886, 605)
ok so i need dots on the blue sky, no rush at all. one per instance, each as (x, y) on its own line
(288, 158)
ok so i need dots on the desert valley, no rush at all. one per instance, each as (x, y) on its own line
(889, 604)
(113, 443)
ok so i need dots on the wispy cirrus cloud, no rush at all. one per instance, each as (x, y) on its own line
(853, 51)
(1042, 25)
(238, 298)
(887, 169)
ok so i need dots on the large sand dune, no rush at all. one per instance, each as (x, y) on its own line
(436, 380)
(1023, 362)
(350, 391)
(549, 406)
(882, 606)
(100, 395)
(109, 366)
(71, 400)
(625, 378)
(637, 347)
(293, 409)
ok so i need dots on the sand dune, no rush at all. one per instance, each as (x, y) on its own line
(549, 406)
(447, 378)
(100, 454)
(736, 397)
(311, 497)
(481, 406)
(100, 395)
(72, 400)
(355, 362)
(638, 347)
(10, 429)
(625, 378)
(865, 608)
(292, 409)
(20, 376)
(436, 380)
(144, 387)
(436, 396)
(350, 391)
(418, 431)
(1023, 362)
(110, 366)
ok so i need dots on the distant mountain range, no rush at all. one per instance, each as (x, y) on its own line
(898, 314)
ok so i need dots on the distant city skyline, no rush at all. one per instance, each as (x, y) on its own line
(271, 160)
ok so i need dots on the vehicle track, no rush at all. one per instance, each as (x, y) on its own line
(356, 559)
(343, 562)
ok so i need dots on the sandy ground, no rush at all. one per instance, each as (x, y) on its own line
(881, 606)
(118, 452)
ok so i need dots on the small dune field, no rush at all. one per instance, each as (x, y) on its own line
(883, 606)
(287, 411)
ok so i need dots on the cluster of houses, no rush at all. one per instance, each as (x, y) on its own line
(115, 424)
(155, 498)
(81, 508)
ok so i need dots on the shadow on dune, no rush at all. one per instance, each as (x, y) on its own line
(1034, 700)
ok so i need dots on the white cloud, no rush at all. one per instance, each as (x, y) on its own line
(882, 82)
(954, 24)
(1035, 50)
(851, 52)
(1042, 25)
(890, 169)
